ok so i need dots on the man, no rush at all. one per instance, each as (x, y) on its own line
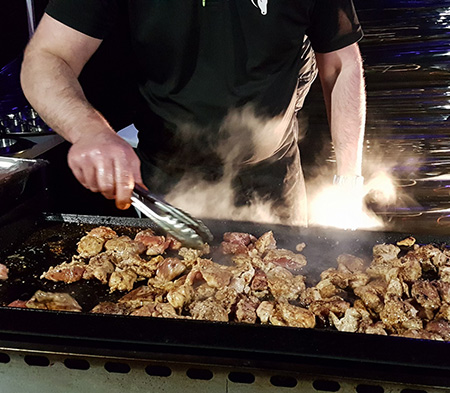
(221, 82)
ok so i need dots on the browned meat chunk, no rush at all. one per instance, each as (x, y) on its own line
(399, 315)
(90, 245)
(444, 312)
(348, 323)
(66, 272)
(122, 280)
(110, 308)
(103, 232)
(141, 296)
(287, 259)
(372, 294)
(368, 327)
(100, 267)
(439, 327)
(174, 244)
(156, 245)
(208, 309)
(322, 308)
(286, 314)
(3, 272)
(411, 268)
(139, 265)
(421, 334)
(18, 304)
(237, 242)
(426, 294)
(190, 255)
(215, 275)
(265, 243)
(265, 311)
(124, 245)
(444, 274)
(181, 293)
(259, 281)
(170, 268)
(284, 285)
(246, 309)
(444, 290)
(53, 301)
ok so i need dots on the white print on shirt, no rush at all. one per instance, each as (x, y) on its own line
(262, 5)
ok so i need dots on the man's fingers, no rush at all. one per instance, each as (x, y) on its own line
(124, 186)
(105, 179)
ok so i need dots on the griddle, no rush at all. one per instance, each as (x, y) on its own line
(43, 240)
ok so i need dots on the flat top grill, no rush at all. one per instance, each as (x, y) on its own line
(49, 239)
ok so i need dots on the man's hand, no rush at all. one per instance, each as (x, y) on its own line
(103, 162)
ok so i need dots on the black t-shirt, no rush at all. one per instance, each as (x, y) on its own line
(195, 62)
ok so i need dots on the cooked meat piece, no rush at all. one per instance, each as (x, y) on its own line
(140, 266)
(286, 314)
(190, 255)
(425, 314)
(100, 267)
(439, 327)
(287, 259)
(349, 264)
(122, 280)
(215, 275)
(408, 242)
(300, 247)
(53, 301)
(394, 289)
(426, 294)
(265, 311)
(337, 278)
(174, 244)
(322, 308)
(103, 232)
(208, 309)
(309, 295)
(444, 312)
(155, 245)
(420, 334)
(259, 281)
(161, 310)
(431, 254)
(265, 243)
(90, 245)
(237, 242)
(283, 284)
(227, 298)
(372, 294)
(141, 296)
(111, 308)
(359, 305)
(124, 245)
(327, 289)
(348, 323)
(246, 309)
(66, 272)
(388, 252)
(444, 274)
(368, 327)
(181, 293)
(411, 269)
(398, 315)
(202, 291)
(170, 268)
(444, 290)
(18, 304)
(3, 272)
(242, 276)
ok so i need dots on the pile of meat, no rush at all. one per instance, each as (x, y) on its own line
(405, 290)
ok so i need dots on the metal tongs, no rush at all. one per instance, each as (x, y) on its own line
(188, 230)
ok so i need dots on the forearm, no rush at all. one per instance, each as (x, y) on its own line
(52, 88)
(347, 120)
(344, 93)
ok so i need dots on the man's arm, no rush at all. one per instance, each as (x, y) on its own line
(341, 76)
(99, 158)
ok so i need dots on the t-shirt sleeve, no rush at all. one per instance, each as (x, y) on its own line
(94, 18)
(333, 25)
